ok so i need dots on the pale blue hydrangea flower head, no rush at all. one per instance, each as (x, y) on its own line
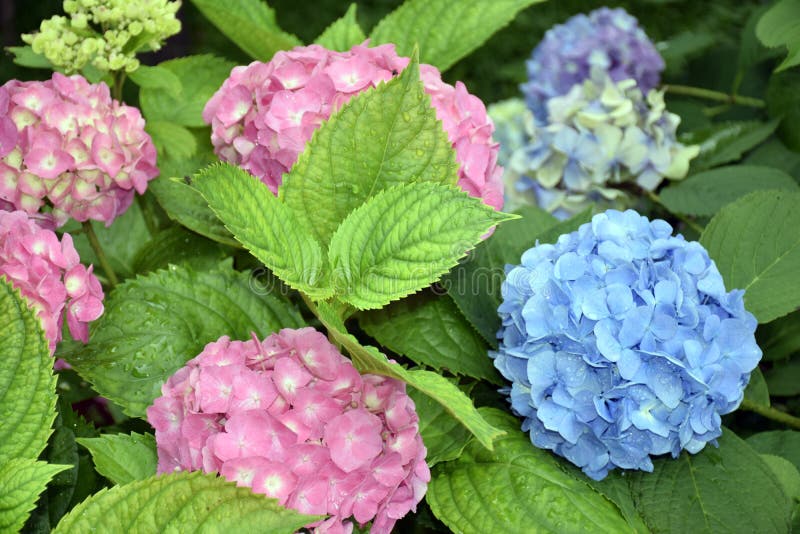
(606, 41)
(621, 343)
(599, 136)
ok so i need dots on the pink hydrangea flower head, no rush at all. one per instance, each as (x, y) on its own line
(48, 273)
(66, 144)
(265, 113)
(290, 417)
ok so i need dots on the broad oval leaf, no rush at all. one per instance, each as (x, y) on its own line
(21, 482)
(445, 31)
(182, 502)
(783, 443)
(704, 492)
(385, 136)
(123, 458)
(781, 26)
(756, 246)
(265, 226)
(343, 33)
(705, 193)
(403, 239)
(250, 24)
(516, 488)
(431, 331)
(27, 384)
(153, 324)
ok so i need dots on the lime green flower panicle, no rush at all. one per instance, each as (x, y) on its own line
(106, 34)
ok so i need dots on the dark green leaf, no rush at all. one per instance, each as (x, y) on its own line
(783, 100)
(783, 443)
(443, 435)
(783, 379)
(780, 26)
(726, 142)
(780, 338)
(757, 391)
(178, 246)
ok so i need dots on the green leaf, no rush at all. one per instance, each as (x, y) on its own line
(783, 379)
(200, 77)
(616, 489)
(442, 434)
(683, 46)
(516, 488)
(780, 339)
(756, 246)
(780, 26)
(774, 154)
(704, 492)
(382, 137)
(757, 391)
(432, 332)
(184, 204)
(783, 100)
(27, 384)
(726, 141)
(370, 360)
(158, 78)
(153, 324)
(120, 242)
(705, 193)
(172, 139)
(403, 239)
(22, 480)
(445, 31)
(344, 33)
(182, 502)
(265, 226)
(24, 56)
(250, 24)
(787, 475)
(783, 443)
(475, 283)
(178, 246)
(123, 458)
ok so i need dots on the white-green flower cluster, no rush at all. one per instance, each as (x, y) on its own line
(104, 33)
(599, 136)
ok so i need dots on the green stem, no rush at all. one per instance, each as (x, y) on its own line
(771, 413)
(717, 96)
(119, 81)
(686, 220)
(101, 256)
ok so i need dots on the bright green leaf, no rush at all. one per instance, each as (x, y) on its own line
(444, 437)
(385, 136)
(783, 443)
(783, 100)
(24, 56)
(516, 488)
(153, 324)
(616, 489)
(404, 238)
(21, 482)
(178, 246)
(343, 34)
(182, 502)
(265, 226)
(445, 31)
(172, 139)
(200, 77)
(123, 458)
(726, 141)
(705, 193)
(157, 77)
(431, 331)
(27, 384)
(370, 360)
(756, 246)
(780, 26)
(250, 24)
(703, 492)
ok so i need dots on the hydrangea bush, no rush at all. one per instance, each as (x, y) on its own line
(621, 343)
(293, 419)
(270, 267)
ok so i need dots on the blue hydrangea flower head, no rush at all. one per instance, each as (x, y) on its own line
(606, 41)
(599, 135)
(621, 343)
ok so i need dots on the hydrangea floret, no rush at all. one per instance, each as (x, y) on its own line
(264, 113)
(73, 150)
(291, 418)
(598, 137)
(621, 343)
(48, 274)
(604, 42)
(105, 34)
